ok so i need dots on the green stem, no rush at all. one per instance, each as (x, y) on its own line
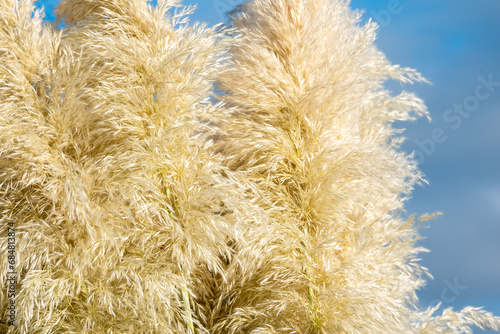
(186, 307)
(312, 302)
(310, 290)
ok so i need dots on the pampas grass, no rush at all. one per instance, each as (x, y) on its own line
(105, 169)
(309, 122)
(143, 202)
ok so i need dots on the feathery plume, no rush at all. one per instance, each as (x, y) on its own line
(105, 168)
(309, 122)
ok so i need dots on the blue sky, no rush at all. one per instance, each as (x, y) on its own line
(456, 45)
(453, 44)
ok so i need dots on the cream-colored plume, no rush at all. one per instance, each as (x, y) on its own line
(117, 201)
(309, 122)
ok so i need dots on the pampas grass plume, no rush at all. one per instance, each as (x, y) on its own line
(309, 122)
(104, 167)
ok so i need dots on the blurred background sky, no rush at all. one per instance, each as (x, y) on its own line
(456, 45)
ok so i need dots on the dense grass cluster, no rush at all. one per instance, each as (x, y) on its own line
(167, 177)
